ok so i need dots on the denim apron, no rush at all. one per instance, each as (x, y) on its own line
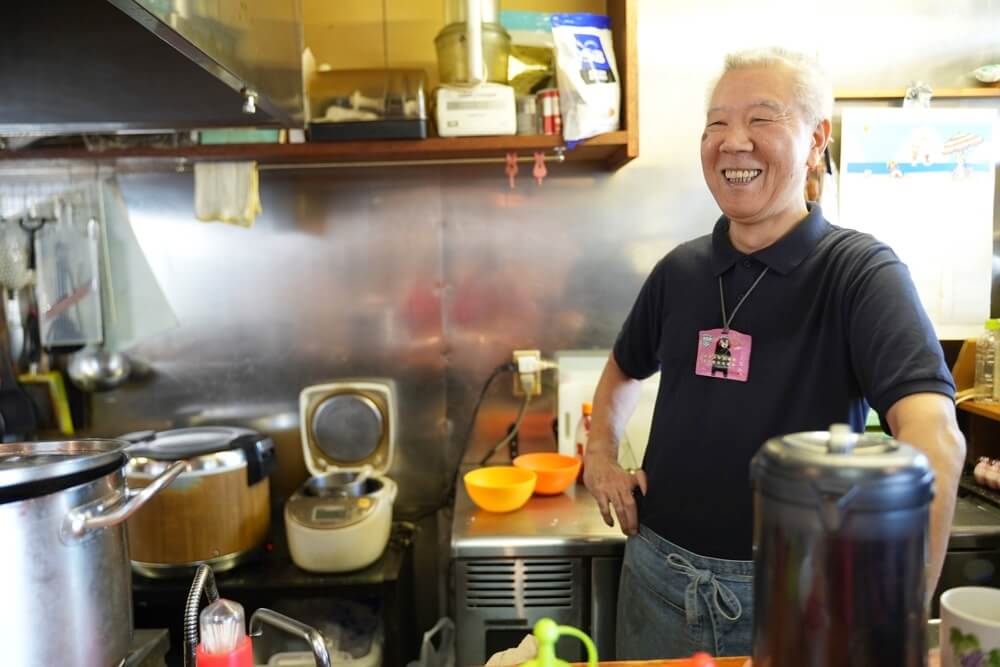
(673, 603)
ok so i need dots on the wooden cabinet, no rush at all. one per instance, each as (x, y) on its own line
(409, 32)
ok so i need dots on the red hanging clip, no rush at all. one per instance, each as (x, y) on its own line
(540, 171)
(511, 168)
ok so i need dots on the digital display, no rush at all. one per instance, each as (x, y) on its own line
(329, 513)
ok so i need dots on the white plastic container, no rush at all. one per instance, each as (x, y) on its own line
(985, 388)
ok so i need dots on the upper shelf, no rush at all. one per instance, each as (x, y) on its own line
(900, 93)
(610, 148)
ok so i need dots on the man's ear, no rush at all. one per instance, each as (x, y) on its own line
(820, 140)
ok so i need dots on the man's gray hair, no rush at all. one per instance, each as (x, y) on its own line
(813, 89)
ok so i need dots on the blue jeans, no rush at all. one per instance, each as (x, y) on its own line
(673, 603)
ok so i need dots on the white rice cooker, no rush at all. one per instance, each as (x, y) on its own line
(340, 519)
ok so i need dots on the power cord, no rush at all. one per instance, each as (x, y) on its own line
(527, 384)
(449, 494)
(527, 370)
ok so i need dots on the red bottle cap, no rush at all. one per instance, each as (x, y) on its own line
(241, 656)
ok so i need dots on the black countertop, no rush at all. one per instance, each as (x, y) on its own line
(271, 571)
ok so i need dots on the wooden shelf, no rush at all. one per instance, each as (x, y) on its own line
(900, 93)
(611, 148)
(610, 151)
(990, 410)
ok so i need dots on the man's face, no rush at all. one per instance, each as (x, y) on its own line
(757, 147)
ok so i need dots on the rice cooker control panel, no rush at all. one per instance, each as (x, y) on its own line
(329, 512)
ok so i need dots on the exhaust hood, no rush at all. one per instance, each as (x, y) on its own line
(77, 66)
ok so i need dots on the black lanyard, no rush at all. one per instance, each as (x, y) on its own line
(722, 300)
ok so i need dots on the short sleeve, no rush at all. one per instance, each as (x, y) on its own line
(636, 349)
(894, 349)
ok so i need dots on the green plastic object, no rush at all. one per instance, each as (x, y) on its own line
(993, 324)
(547, 633)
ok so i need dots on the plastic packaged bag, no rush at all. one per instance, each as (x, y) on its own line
(532, 54)
(438, 646)
(589, 91)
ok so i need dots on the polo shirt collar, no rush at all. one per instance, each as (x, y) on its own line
(782, 256)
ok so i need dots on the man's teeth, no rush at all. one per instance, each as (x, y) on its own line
(741, 175)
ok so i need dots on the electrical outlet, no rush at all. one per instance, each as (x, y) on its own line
(528, 362)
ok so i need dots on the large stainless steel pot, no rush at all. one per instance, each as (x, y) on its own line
(67, 590)
(840, 547)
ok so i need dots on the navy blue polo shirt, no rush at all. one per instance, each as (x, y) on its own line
(836, 326)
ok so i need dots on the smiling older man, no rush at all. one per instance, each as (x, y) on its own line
(776, 322)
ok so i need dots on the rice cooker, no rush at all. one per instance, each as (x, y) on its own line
(218, 510)
(340, 519)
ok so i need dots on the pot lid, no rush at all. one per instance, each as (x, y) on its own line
(185, 443)
(348, 425)
(30, 462)
(877, 471)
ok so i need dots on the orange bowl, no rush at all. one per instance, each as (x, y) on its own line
(556, 472)
(500, 488)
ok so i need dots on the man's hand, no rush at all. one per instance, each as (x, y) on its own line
(612, 486)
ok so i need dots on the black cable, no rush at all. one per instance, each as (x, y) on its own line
(508, 367)
(512, 433)
(449, 495)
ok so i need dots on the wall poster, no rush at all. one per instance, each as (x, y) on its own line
(922, 180)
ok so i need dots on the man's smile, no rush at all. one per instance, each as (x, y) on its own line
(740, 176)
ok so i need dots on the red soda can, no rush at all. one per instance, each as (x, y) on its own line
(548, 108)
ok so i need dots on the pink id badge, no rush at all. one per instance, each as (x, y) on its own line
(723, 354)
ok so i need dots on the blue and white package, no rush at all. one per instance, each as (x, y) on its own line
(587, 74)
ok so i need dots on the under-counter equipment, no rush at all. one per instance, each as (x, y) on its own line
(553, 558)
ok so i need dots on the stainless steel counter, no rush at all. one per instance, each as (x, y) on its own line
(976, 525)
(568, 524)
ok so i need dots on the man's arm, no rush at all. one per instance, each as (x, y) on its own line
(927, 421)
(614, 401)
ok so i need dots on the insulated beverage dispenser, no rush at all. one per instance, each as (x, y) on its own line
(840, 548)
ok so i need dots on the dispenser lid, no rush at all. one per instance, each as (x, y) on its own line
(347, 425)
(878, 472)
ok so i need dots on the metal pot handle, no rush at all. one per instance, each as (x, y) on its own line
(86, 518)
(291, 626)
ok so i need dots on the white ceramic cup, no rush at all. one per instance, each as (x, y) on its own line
(970, 626)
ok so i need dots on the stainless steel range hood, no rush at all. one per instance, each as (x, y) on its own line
(71, 66)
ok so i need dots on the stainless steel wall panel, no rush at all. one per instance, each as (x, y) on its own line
(337, 279)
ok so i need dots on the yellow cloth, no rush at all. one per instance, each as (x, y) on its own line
(226, 192)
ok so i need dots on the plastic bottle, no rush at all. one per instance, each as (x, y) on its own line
(986, 354)
(582, 434)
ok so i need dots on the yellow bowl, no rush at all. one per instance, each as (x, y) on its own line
(500, 488)
(556, 472)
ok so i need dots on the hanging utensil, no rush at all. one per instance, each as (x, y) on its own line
(96, 369)
(17, 412)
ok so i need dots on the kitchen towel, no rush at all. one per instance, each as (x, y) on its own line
(226, 192)
(526, 650)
